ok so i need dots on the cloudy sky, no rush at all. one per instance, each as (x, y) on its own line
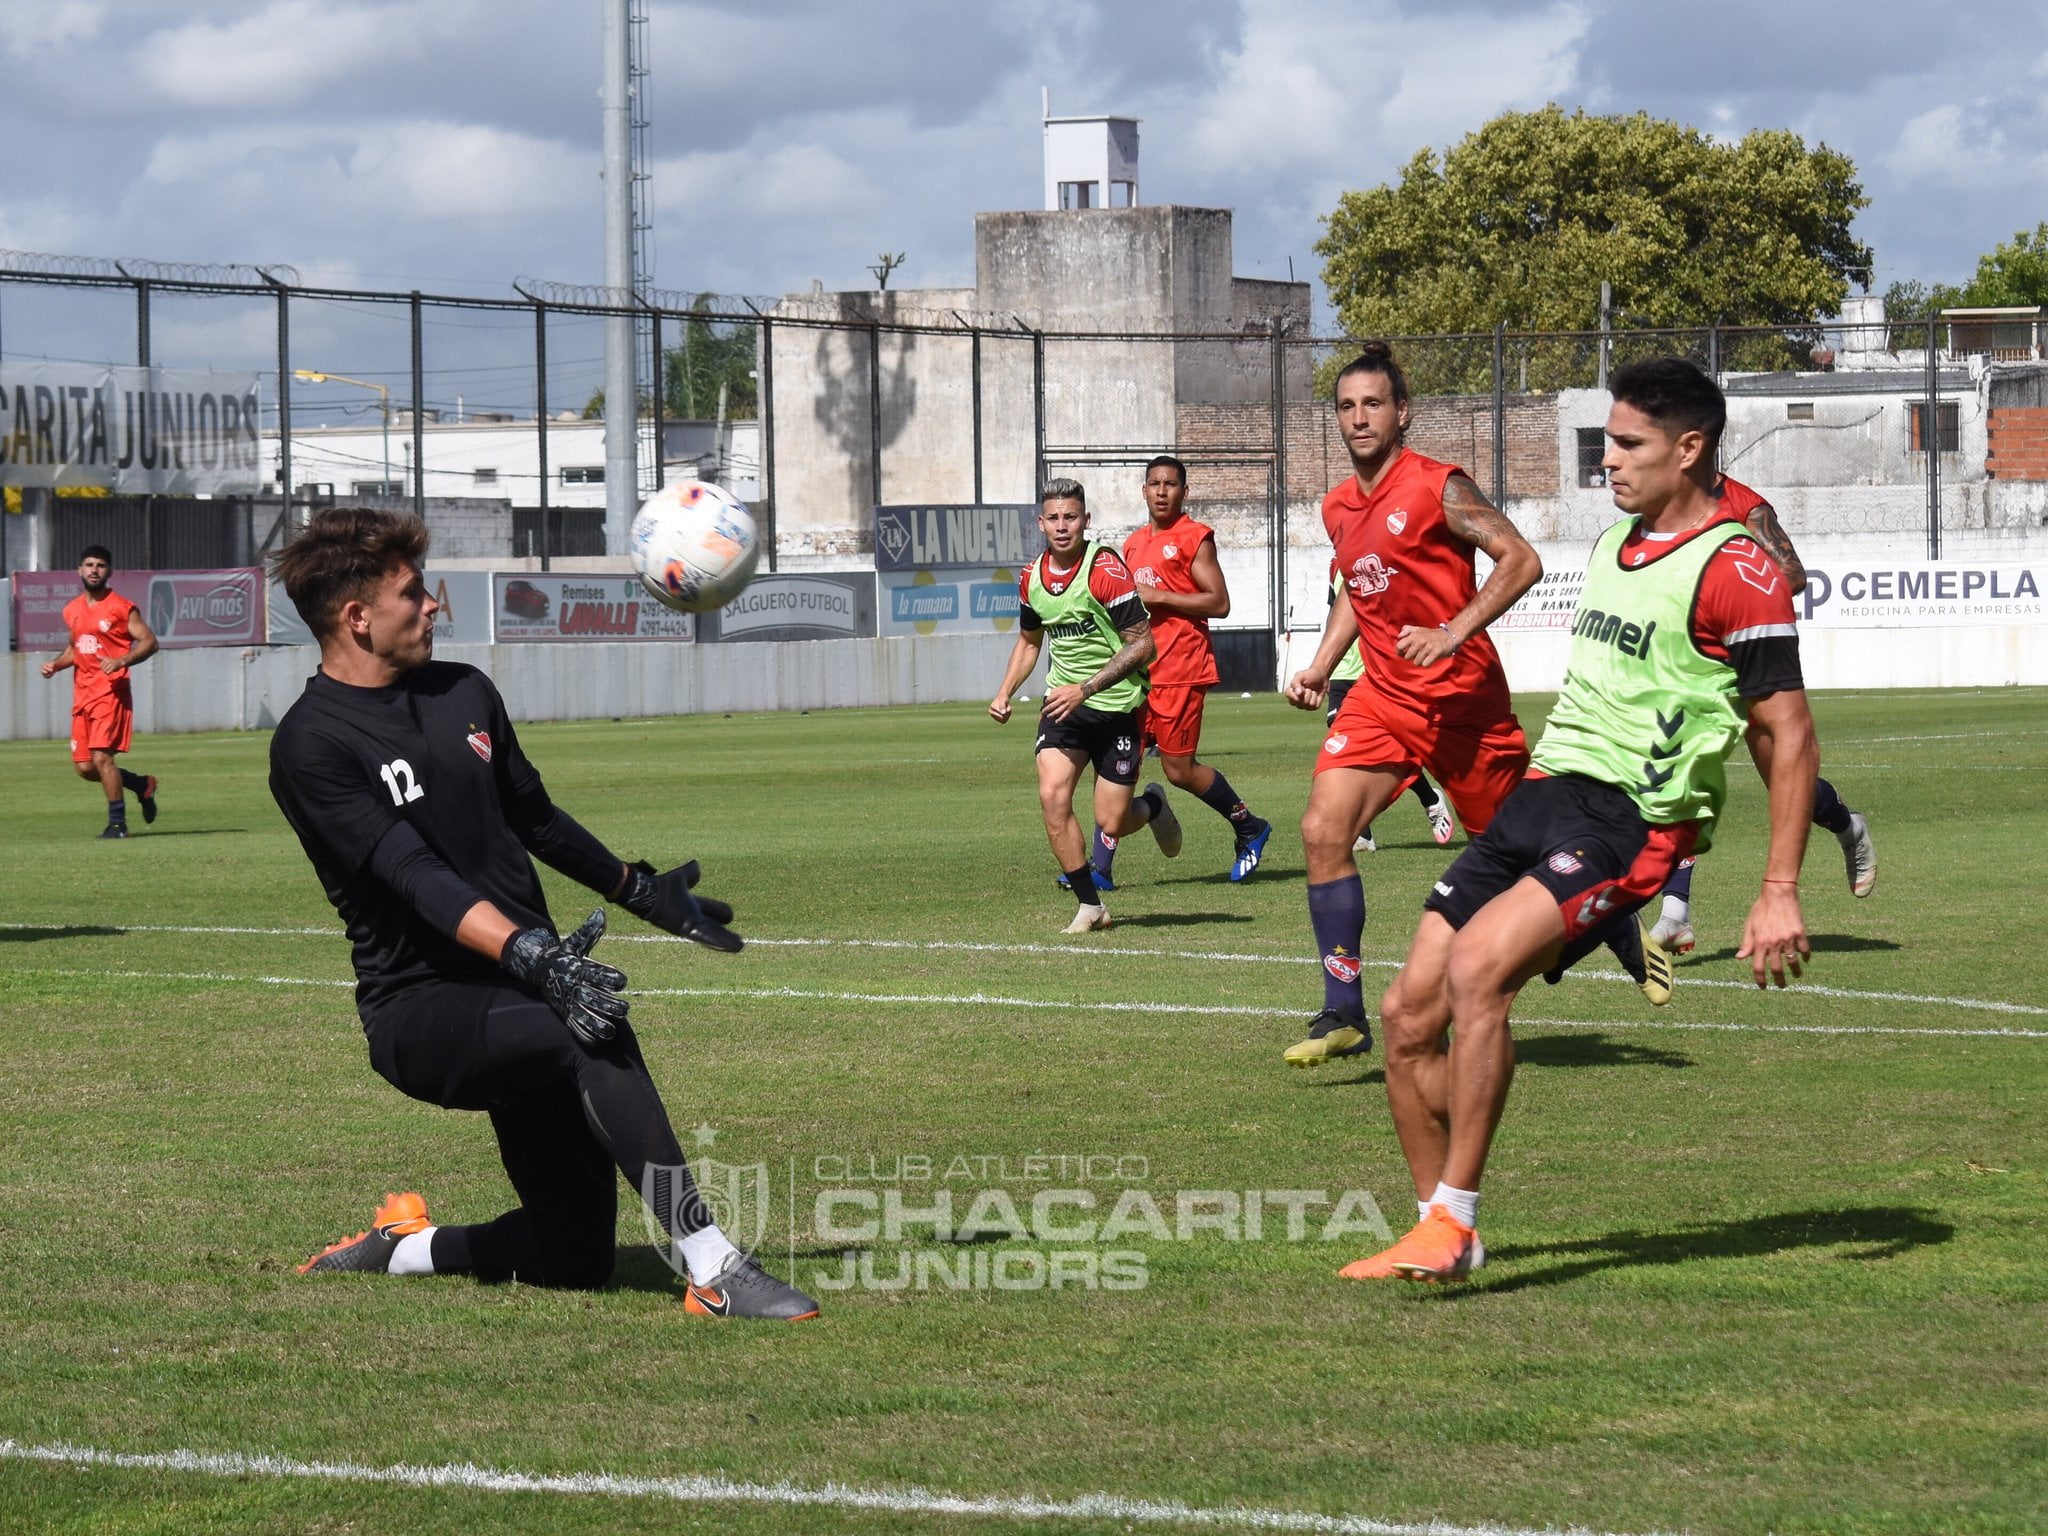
(452, 145)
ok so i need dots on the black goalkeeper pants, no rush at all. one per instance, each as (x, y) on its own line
(569, 1121)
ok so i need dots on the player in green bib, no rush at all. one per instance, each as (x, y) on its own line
(1683, 644)
(1078, 602)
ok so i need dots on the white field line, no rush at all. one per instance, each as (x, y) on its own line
(713, 1489)
(1084, 951)
(1062, 1005)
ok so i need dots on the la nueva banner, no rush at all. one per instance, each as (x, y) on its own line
(134, 431)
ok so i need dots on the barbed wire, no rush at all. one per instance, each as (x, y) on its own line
(142, 269)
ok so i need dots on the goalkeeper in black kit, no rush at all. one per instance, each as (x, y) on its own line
(405, 783)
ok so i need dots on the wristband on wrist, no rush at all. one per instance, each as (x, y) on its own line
(1770, 880)
(1455, 641)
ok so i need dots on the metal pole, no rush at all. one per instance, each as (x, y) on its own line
(419, 413)
(659, 388)
(1500, 414)
(1606, 327)
(540, 417)
(1038, 411)
(875, 414)
(975, 342)
(142, 323)
(1714, 349)
(284, 403)
(1930, 439)
(621, 388)
(765, 406)
(1279, 557)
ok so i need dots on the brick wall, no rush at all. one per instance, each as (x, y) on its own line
(1455, 428)
(2019, 443)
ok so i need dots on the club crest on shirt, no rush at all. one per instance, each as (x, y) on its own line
(480, 744)
(1169, 552)
(106, 625)
(1397, 520)
(1336, 744)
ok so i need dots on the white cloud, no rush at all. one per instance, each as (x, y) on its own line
(1931, 146)
(288, 48)
(29, 28)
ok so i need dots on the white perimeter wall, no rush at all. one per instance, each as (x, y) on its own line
(228, 689)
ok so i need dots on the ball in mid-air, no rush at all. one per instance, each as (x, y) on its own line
(695, 546)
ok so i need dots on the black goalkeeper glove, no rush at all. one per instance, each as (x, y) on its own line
(666, 902)
(583, 991)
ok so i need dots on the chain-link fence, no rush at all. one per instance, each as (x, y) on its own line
(1904, 442)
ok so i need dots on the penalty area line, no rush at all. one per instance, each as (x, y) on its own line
(714, 1489)
(1099, 1005)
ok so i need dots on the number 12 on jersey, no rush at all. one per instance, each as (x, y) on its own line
(398, 778)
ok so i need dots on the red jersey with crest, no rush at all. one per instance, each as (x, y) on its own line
(1165, 558)
(1402, 565)
(98, 630)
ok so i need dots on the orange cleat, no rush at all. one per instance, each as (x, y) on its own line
(370, 1252)
(1439, 1247)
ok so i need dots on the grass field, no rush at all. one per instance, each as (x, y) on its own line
(1763, 1262)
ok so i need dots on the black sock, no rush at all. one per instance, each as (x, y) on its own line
(1424, 790)
(1222, 799)
(1082, 881)
(1828, 808)
(449, 1247)
(133, 781)
(117, 813)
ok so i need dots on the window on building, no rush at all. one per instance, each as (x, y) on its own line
(1799, 410)
(1123, 194)
(376, 488)
(1949, 423)
(486, 477)
(1077, 194)
(1592, 449)
(583, 474)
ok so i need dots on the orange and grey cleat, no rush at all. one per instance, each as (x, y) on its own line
(370, 1252)
(744, 1289)
(1439, 1247)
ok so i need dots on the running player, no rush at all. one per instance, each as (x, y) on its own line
(1173, 561)
(1684, 642)
(1432, 694)
(1347, 672)
(1081, 596)
(108, 637)
(406, 785)
(1673, 930)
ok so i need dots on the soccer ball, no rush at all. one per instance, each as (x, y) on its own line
(694, 546)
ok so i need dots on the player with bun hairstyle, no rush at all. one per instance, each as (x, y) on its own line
(1432, 695)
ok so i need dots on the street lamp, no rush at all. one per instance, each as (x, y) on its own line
(383, 399)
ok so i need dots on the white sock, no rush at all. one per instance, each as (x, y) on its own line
(705, 1252)
(414, 1254)
(1461, 1203)
(1677, 909)
(1421, 1210)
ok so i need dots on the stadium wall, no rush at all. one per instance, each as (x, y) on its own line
(229, 689)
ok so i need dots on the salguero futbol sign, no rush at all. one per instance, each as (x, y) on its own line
(133, 431)
(926, 538)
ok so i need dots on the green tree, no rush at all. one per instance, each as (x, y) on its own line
(1520, 222)
(711, 353)
(2011, 274)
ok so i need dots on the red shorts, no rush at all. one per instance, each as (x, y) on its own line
(1173, 718)
(1478, 763)
(104, 724)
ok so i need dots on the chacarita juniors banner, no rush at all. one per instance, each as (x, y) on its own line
(135, 431)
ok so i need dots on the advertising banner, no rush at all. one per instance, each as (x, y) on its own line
(136, 431)
(941, 537)
(947, 602)
(1917, 595)
(548, 605)
(464, 619)
(184, 608)
(1549, 604)
(825, 605)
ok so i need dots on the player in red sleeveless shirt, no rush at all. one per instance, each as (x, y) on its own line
(108, 636)
(1673, 929)
(1433, 694)
(1173, 560)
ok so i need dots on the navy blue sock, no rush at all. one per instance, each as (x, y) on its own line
(117, 812)
(1103, 854)
(1828, 809)
(1222, 799)
(1336, 910)
(1680, 883)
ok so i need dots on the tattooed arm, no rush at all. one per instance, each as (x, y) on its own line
(1138, 651)
(1516, 566)
(1765, 528)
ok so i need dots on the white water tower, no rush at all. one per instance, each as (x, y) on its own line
(1090, 162)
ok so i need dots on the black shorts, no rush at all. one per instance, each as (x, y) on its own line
(1108, 738)
(1580, 839)
(1334, 699)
